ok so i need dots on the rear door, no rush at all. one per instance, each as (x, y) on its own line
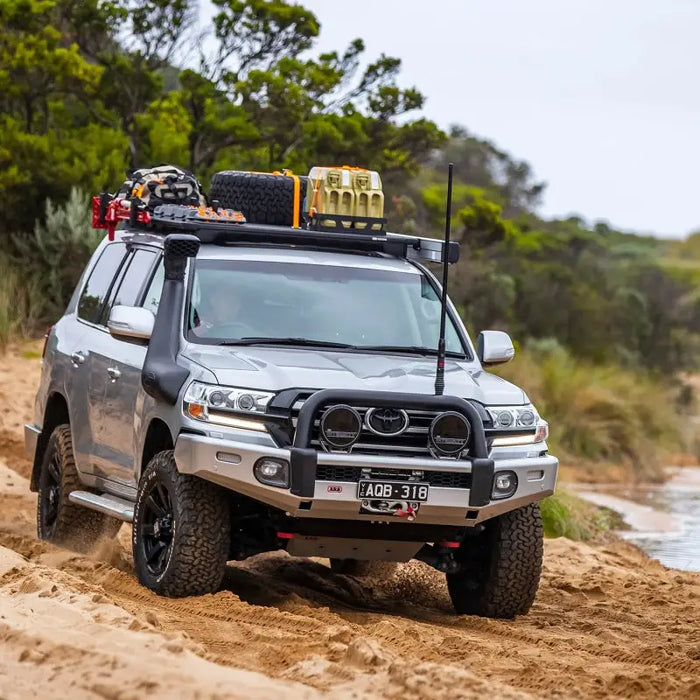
(119, 366)
(84, 395)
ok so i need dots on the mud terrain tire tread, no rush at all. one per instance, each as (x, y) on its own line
(202, 532)
(76, 527)
(511, 568)
(263, 198)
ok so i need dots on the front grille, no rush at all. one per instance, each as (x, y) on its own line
(448, 480)
(411, 443)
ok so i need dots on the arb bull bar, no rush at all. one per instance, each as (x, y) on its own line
(304, 459)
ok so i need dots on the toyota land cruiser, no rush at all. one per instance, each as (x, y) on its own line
(235, 387)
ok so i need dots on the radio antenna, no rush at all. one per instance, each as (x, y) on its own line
(440, 372)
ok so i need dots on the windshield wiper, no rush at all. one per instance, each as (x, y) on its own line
(411, 349)
(309, 343)
(303, 342)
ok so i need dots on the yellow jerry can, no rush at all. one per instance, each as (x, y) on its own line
(345, 191)
(369, 198)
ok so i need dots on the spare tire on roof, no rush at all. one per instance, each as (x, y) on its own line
(263, 198)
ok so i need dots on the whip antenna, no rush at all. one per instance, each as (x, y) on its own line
(440, 372)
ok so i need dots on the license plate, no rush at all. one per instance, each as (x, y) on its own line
(395, 490)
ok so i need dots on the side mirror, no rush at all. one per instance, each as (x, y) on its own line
(131, 322)
(494, 347)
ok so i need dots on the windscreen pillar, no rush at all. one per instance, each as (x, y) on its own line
(161, 377)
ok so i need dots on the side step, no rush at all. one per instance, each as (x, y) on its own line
(105, 503)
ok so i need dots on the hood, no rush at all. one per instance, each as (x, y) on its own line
(274, 369)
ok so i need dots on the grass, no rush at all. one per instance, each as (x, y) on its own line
(18, 310)
(566, 515)
(601, 413)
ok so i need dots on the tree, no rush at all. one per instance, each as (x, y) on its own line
(48, 141)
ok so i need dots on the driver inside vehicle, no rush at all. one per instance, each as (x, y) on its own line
(217, 313)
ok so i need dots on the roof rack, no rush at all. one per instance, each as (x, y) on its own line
(228, 227)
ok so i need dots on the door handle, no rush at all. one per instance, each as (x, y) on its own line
(77, 358)
(113, 373)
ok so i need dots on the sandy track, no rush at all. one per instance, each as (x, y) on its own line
(607, 622)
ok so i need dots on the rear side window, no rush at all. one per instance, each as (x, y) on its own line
(100, 281)
(152, 298)
(136, 278)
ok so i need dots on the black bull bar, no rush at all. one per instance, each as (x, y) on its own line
(303, 459)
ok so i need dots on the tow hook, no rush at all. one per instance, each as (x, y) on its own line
(400, 509)
(408, 513)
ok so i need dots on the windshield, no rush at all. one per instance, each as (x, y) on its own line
(255, 301)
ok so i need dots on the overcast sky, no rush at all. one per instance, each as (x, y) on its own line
(601, 97)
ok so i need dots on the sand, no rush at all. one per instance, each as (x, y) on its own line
(607, 622)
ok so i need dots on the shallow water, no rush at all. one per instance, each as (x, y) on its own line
(665, 520)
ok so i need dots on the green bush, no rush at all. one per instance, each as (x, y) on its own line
(566, 515)
(599, 413)
(53, 257)
(19, 297)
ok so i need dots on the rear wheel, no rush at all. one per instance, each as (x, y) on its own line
(263, 198)
(182, 531)
(58, 520)
(500, 570)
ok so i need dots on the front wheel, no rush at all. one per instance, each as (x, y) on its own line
(500, 569)
(182, 530)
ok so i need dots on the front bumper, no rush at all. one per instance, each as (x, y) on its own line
(230, 464)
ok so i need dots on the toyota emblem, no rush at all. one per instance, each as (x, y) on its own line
(387, 422)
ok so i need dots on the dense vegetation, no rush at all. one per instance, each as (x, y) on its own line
(92, 88)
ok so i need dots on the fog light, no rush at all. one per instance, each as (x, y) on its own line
(272, 471)
(505, 484)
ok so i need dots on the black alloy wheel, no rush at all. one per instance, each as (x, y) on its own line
(157, 528)
(50, 493)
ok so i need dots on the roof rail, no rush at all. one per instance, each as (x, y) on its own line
(228, 227)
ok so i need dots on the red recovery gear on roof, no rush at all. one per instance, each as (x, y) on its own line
(108, 214)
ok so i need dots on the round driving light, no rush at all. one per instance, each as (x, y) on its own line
(216, 398)
(272, 471)
(505, 419)
(246, 402)
(340, 427)
(527, 418)
(449, 434)
(505, 484)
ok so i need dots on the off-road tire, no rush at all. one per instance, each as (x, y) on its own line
(500, 568)
(195, 561)
(263, 198)
(57, 519)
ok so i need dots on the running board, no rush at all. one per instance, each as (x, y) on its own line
(105, 503)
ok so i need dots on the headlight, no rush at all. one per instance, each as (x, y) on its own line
(225, 405)
(513, 417)
(524, 421)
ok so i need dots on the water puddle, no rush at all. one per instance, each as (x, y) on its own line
(664, 519)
